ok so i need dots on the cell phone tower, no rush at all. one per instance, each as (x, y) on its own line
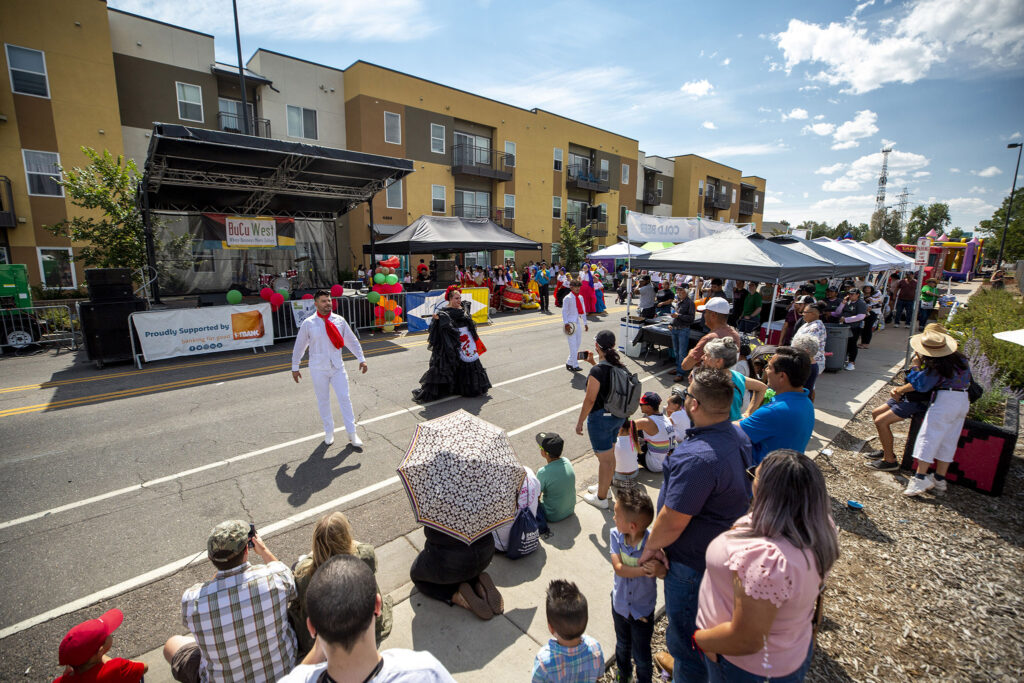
(901, 208)
(882, 180)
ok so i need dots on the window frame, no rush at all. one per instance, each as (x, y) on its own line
(302, 117)
(603, 218)
(556, 207)
(755, 200)
(505, 207)
(733, 196)
(623, 212)
(10, 76)
(659, 187)
(558, 162)
(392, 142)
(401, 196)
(432, 138)
(511, 154)
(42, 271)
(604, 171)
(444, 199)
(28, 184)
(177, 95)
(624, 177)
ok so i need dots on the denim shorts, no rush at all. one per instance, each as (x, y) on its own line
(603, 428)
(905, 409)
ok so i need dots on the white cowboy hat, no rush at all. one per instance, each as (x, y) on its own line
(933, 342)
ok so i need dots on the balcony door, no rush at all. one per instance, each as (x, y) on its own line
(472, 149)
(472, 204)
(229, 114)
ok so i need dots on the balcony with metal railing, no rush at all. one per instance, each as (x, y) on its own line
(499, 216)
(482, 161)
(717, 200)
(586, 177)
(746, 207)
(232, 123)
(7, 217)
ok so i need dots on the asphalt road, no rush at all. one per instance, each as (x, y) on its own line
(108, 476)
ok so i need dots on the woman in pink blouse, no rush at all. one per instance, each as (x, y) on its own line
(764, 576)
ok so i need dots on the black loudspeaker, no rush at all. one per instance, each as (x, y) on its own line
(106, 330)
(110, 284)
(445, 270)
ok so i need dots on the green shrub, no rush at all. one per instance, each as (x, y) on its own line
(987, 312)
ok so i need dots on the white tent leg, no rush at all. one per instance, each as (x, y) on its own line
(771, 312)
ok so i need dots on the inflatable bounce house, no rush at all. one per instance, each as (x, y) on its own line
(959, 261)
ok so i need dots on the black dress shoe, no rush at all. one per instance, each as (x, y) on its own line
(569, 368)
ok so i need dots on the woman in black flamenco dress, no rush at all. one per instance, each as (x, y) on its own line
(455, 366)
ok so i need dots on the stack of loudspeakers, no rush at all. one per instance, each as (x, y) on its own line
(445, 271)
(105, 326)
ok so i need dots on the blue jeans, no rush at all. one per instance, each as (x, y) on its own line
(680, 346)
(682, 585)
(724, 671)
(633, 643)
(903, 309)
(922, 317)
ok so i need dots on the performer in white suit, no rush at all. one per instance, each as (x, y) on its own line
(574, 320)
(326, 334)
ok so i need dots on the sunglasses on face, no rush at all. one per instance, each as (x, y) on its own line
(752, 472)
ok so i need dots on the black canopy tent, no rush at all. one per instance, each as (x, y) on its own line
(199, 170)
(443, 234)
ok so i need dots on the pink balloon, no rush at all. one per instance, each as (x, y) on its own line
(307, 296)
(266, 293)
(276, 299)
(398, 311)
(378, 311)
(337, 290)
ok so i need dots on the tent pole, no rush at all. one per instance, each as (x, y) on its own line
(373, 246)
(771, 313)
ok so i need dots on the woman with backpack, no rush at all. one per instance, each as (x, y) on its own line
(602, 425)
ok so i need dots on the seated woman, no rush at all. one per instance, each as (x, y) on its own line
(332, 536)
(449, 570)
(722, 354)
(455, 366)
(757, 603)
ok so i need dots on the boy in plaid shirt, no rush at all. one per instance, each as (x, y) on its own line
(571, 656)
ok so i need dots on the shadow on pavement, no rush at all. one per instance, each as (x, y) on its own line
(563, 532)
(313, 474)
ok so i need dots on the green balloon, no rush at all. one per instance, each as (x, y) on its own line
(373, 297)
(391, 279)
(234, 297)
(284, 292)
(379, 278)
(389, 315)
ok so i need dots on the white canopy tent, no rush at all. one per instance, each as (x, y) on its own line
(620, 250)
(876, 261)
(886, 248)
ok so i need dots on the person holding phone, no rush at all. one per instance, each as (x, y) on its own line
(574, 323)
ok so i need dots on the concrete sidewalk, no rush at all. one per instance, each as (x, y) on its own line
(503, 649)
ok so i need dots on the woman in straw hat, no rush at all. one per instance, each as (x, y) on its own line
(943, 371)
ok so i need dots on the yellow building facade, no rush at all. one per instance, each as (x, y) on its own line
(709, 189)
(58, 95)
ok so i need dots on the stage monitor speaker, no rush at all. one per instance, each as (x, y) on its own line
(445, 270)
(109, 284)
(106, 331)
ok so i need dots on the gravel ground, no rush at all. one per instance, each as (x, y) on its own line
(930, 588)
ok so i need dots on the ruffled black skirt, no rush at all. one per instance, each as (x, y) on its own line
(448, 378)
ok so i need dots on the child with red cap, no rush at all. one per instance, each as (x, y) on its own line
(84, 652)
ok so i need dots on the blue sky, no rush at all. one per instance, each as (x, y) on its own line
(804, 94)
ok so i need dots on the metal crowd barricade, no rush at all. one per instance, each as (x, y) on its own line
(357, 310)
(22, 327)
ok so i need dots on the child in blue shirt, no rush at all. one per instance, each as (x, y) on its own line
(571, 656)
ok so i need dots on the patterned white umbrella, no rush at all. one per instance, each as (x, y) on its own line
(462, 476)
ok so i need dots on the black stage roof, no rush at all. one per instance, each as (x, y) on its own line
(195, 169)
(442, 234)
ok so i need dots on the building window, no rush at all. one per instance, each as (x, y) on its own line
(28, 71)
(604, 213)
(472, 204)
(510, 153)
(558, 158)
(604, 169)
(623, 212)
(392, 128)
(625, 174)
(661, 189)
(301, 122)
(700, 188)
(510, 206)
(394, 195)
(437, 198)
(190, 102)
(734, 196)
(436, 138)
(755, 200)
(42, 171)
(229, 113)
(55, 266)
(556, 249)
(556, 207)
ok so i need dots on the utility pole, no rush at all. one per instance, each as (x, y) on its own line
(241, 75)
(1009, 206)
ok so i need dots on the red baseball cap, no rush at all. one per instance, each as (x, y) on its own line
(85, 640)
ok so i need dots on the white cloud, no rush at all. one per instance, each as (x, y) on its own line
(842, 184)
(710, 125)
(809, 88)
(806, 195)
(819, 117)
(862, 125)
(862, 6)
(995, 27)
(772, 200)
(739, 35)
(726, 61)
(795, 113)
(820, 128)
(977, 189)
(954, 170)
(829, 170)
(922, 174)
(850, 204)
(971, 205)
(756, 149)
(989, 172)
(1015, 136)
(699, 88)
(315, 20)
(886, 142)
(765, 110)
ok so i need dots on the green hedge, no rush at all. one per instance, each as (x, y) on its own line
(990, 311)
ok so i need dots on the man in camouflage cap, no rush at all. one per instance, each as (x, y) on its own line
(239, 619)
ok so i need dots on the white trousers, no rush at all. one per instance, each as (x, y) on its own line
(574, 345)
(323, 380)
(941, 427)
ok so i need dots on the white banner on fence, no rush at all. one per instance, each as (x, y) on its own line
(192, 331)
(642, 227)
(250, 232)
(302, 309)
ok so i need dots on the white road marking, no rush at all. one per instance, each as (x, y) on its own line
(238, 458)
(177, 565)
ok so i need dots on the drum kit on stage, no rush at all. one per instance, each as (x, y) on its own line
(288, 280)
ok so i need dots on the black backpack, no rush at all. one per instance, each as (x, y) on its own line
(624, 391)
(524, 536)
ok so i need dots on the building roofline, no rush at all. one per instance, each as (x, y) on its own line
(157, 21)
(679, 156)
(754, 176)
(297, 59)
(490, 99)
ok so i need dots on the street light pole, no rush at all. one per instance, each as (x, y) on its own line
(1009, 207)
(241, 78)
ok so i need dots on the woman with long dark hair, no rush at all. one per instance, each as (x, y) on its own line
(455, 366)
(602, 427)
(764, 576)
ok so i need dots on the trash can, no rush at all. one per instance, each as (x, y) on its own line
(627, 333)
(835, 344)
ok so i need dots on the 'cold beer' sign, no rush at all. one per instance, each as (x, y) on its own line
(250, 232)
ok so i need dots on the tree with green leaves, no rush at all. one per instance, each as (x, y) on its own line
(887, 229)
(574, 245)
(956, 234)
(992, 230)
(925, 218)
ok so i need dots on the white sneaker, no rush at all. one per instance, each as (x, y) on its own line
(918, 486)
(938, 485)
(592, 489)
(354, 439)
(850, 366)
(329, 438)
(599, 503)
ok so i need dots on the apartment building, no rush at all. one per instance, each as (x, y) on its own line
(692, 186)
(58, 95)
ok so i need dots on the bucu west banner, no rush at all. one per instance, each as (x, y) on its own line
(193, 331)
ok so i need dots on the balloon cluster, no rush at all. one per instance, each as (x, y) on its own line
(386, 312)
(276, 299)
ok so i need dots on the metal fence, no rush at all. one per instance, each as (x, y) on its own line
(356, 310)
(23, 327)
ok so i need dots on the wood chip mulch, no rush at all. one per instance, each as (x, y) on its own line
(927, 588)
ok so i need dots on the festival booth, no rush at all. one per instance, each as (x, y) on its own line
(453, 234)
(261, 215)
(907, 262)
(844, 265)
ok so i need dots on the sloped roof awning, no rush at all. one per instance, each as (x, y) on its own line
(441, 234)
(195, 169)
